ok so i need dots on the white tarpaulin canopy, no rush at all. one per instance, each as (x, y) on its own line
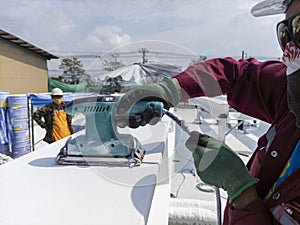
(139, 73)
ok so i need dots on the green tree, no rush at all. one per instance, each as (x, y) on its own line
(112, 84)
(112, 63)
(73, 71)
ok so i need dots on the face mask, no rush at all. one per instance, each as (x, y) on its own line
(57, 101)
(291, 58)
(293, 86)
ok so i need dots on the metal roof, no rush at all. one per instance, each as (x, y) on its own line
(25, 44)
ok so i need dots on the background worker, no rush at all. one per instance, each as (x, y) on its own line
(267, 191)
(54, 119)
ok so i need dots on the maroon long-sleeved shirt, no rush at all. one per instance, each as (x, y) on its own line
(257, 89)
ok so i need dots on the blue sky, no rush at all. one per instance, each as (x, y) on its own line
(214, 28)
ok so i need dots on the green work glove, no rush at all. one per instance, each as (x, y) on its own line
(165, 91)
(217, 164)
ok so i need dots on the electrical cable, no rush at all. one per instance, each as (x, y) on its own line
(185, 128)
(180, 185)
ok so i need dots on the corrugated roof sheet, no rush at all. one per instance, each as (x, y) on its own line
(25, 44)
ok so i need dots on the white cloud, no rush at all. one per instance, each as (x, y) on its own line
(39, 22)
(63, 24)
(219, 27)
(105, 38)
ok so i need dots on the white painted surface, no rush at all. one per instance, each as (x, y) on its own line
(215, 106)
(36, 191)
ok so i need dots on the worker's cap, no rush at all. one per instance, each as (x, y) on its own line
(270, 7)
(57, 92)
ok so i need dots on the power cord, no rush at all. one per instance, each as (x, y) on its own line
(181, 183)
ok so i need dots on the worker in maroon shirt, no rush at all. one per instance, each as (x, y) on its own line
(267, 190)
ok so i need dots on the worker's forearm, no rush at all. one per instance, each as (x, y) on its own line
(247, 196)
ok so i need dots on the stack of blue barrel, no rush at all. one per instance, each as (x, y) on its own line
(4, 142)
(18, 114)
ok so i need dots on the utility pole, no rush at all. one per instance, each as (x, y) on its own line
(244, 54)
(144, 51)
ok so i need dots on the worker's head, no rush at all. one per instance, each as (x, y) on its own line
(288, 34)
(288, 29)
(57, 95)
